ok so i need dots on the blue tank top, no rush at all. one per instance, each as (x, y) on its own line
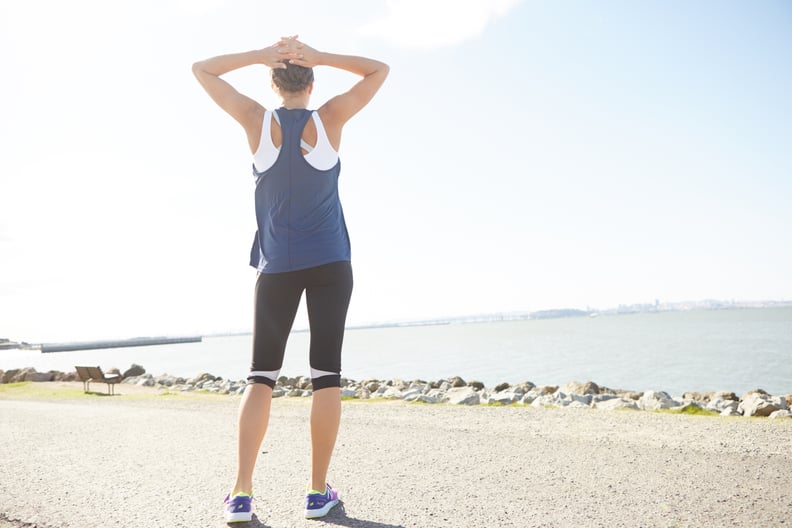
(298, 211)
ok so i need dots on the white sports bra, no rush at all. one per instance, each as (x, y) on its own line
(321, 156)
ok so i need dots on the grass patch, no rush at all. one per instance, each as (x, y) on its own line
(693, 410)
(43, 391)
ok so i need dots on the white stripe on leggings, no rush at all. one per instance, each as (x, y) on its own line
(271, 374)
(315, 373)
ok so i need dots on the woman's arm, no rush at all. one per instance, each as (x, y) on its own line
(338, 110)
(242, 108)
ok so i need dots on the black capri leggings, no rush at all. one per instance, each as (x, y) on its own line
(328, 289)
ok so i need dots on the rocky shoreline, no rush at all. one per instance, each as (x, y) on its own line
(456, 391)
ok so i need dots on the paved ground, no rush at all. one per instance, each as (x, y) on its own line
(166, 461)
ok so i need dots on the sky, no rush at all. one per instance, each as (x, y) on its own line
(522, 155)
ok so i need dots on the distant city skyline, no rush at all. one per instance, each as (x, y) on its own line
(522, 156)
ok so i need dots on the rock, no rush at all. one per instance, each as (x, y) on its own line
(391, 393)
(411, 393)
(523, 387)
(32, 375)
(347, 392)
(780, 401)
(462, 396)
(363, 393)
(757, 403)
(656, 400)
(729, 412)
(788, 398)
(603, 396)
(477, 385)
(545, 400)
(501, 387)
(724, 395)
(295, 393)
(371, 386)
(630, 395)
(503, 398)
(546, 389)
(457, 382)
(781, 413)
(201, 378)
(576, 387)
(720, 405)
(616, 403)
(399, 384)
(8, 375)
(134, 370)
(697, 396)
(755, 391)
(582, 399)
(145, 381)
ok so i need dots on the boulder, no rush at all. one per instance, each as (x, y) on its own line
(134, 370)
(546, 389)
(462, 396)
(720, 405)
(756, 403)
(457, 382)
(630, 395)
(501, 387)
(391, 393)
(782, 413)
(755, 391)
(575, 387)
(697, 396)
(9, 375)
(724, 395)
(524, 387)
(476, 385)
(550, 400)
(38, 376)
(615, 403)
(504, 398)
(655, 401)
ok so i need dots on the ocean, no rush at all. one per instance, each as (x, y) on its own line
(731, 349)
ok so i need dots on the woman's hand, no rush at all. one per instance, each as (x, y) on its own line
(299, 53)
(275, 55)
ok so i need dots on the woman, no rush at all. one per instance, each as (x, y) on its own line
(301, 243)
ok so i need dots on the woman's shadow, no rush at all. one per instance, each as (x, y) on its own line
(337, 516)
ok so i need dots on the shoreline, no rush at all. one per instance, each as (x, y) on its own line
(454, 391)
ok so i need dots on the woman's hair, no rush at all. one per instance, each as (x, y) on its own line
(292, 78)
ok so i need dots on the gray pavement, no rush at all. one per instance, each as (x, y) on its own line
(168, 462)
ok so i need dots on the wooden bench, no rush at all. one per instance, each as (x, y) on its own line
(95, 374)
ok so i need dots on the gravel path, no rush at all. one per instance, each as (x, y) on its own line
(168, 461)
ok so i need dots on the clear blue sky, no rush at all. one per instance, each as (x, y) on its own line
(521, 156)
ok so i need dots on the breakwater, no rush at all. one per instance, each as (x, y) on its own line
(117, 343)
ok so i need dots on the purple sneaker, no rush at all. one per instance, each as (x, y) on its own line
(238, 508)
(319, 504)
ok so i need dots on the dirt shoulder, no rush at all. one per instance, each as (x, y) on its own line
(148, 458)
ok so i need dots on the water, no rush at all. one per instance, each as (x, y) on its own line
(736, 350)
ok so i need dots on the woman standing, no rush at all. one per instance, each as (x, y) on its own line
(301, 243)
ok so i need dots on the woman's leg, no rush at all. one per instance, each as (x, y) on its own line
(254, 411)
(325, 420)
(276, 301)
(327, 299)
